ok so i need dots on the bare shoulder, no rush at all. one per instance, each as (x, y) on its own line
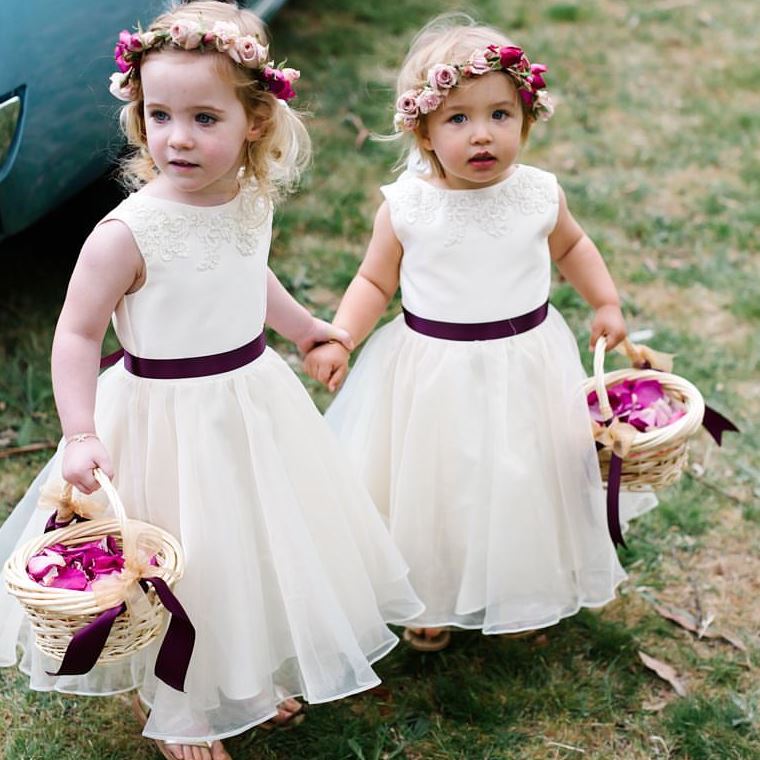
(110, 253)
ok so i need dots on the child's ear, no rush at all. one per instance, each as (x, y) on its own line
(255, 129)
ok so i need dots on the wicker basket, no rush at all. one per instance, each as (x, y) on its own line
(658, 457)
(56, 614)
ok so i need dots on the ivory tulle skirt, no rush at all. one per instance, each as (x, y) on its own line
(290, 572)
(480, 456)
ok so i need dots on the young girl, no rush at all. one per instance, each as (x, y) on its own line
(465, 415)
(290, 573)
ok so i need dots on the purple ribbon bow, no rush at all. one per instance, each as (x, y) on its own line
(173, 657)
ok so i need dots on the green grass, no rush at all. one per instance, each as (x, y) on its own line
(655, 142)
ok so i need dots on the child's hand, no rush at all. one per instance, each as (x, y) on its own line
(328, 364)
(608, 321)
(323, 332)
(80, 458)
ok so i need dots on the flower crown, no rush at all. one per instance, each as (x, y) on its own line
(224, 37)
(442, 77)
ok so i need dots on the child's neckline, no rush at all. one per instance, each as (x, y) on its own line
(184, 204)
(517, 170)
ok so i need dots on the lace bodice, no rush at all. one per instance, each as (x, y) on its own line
(474, 255)
(205, 288)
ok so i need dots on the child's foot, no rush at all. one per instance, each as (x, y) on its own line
(427, 639)
(289, 715)
(179, 750)
(207, 751)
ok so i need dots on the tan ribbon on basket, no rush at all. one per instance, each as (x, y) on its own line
(111, 590)
(644, 357)
(68, 502)
(618, 436)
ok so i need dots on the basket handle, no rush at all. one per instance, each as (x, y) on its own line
(113, 498)
(601, 389)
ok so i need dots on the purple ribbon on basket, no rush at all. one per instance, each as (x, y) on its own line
(715, 424)
(51, 524)
(173, 657)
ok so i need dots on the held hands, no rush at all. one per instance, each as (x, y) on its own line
(323, 332)
(608, 321)
(80, 458)
(328, 364)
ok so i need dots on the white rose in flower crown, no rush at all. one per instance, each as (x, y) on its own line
(546, 105)
(428, 101)
(291, 74)
(186, 34)
(225, 33)
(147, 39)
(442, 77)
(119, 90)
(404, 123)
(477, 65)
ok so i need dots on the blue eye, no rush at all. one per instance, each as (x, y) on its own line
(206, 118)
(159, 116)
(458, 118)
(500, 115)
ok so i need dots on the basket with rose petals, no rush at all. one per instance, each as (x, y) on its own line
(99, 590)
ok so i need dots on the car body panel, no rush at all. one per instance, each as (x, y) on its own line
(57, 57)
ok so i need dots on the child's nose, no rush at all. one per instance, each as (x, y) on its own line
(481, 132)
(180, 136)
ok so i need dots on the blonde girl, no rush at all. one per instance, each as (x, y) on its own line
(290, 574)
(465, 415)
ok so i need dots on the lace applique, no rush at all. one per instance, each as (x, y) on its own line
(416, 202)
(167, 235)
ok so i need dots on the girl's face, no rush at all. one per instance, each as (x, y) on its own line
(476, 132)
(196, 126)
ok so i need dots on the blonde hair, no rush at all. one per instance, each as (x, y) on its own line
(275, 159)
(449, 38)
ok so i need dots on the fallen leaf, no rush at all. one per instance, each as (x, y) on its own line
(664, 671)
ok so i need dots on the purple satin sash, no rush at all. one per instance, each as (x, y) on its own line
(193, 366)
(173, 657)
(504, 328)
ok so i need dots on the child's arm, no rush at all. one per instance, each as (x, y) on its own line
(363, 303)
(293, 321)
(580, 262)
(108, 266)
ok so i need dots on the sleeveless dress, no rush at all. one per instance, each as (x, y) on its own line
(479, 452)
(290, 572)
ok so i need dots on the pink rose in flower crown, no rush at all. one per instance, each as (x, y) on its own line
(536, 80)
(509, 55)
(186, 34)
(223, 34)
(407, 103)
(128, 43)
(442, 77)
(428, 101)
(278, 84)
(248, 52)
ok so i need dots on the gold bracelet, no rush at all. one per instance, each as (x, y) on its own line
(78, 438)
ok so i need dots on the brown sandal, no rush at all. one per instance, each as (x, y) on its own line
(422, 643)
